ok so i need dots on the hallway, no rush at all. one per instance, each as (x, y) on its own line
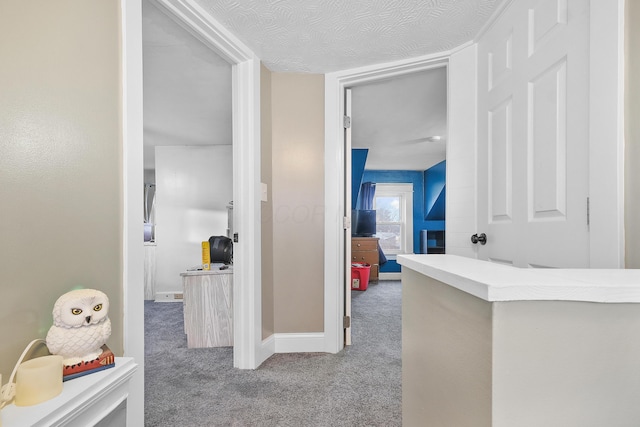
(360, 386)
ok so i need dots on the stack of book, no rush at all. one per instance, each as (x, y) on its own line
(106, 360)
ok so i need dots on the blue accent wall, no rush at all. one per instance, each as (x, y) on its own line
(358, 160)
(434, 184)
(422, 181)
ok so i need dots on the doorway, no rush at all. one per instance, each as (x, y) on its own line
(398, 130)
(187, 146)
(248, 352)
(335, 179)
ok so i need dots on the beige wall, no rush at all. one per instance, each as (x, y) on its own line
(469, 362)
(565, 363)
(632, 135)
(298, 201)
(267, 207)
(446, 355)
(60, 167)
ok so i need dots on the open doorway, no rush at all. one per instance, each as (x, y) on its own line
(337, 234)
(188, 160)
(398, 139)
(248, 352)
(188, 181)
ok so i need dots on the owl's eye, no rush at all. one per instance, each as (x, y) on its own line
(97, 307)
(76, 311)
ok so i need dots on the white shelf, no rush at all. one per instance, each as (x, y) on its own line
(84, 401)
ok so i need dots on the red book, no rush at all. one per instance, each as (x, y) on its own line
(106, 360)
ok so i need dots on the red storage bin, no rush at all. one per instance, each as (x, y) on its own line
(360, 276)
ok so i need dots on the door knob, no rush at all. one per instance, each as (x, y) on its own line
(482, 238)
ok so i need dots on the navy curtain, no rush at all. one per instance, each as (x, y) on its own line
(367, 191)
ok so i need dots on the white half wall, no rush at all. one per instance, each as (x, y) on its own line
(193, 189)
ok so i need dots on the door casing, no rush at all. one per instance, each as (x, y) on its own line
(335, 158)
(249, 350)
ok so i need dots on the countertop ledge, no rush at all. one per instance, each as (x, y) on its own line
(498, 282)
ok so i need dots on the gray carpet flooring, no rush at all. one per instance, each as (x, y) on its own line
(360, 386)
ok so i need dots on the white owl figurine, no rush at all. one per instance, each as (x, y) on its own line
(80, 326)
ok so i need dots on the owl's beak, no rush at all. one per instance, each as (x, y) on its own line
(88, 319)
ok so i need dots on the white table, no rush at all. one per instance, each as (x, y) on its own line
(208, 307)
(85, 401)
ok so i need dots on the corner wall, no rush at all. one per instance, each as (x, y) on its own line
(267, 206)
(446, 355)
(298, 201)
(61, 164)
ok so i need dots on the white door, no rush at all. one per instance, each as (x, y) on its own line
(533, 122)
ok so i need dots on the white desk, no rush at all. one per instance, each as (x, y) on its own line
(490, 345)
(208, 307)
(86, 401)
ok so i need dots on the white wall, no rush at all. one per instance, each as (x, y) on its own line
(461, 153)
(193, 189)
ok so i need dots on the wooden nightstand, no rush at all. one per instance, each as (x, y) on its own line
(365, 249)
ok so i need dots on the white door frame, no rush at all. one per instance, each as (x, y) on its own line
(348, 203)
(606, 133)
(133, 170)
(249, 351)
(246, 174)
(334, 249)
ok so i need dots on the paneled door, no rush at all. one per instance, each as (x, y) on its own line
(533, 122)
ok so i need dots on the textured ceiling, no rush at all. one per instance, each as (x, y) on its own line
(187, 87)
(328, 35)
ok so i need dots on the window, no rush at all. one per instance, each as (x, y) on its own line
(394, 218)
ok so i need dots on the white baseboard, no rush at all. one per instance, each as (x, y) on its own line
(266, 350)
(168, 297)
(389, 276)
(290, 343)
(309, 342)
